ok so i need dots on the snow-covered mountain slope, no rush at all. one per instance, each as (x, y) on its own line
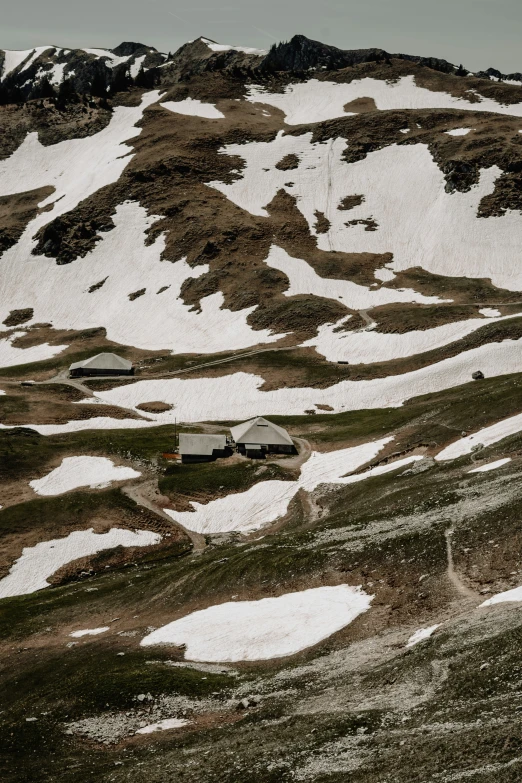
(329, 238)
(270, 202)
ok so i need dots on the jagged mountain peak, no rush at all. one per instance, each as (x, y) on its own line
(129, 48)
(302, 53)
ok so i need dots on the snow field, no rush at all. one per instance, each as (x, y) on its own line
(404, 193)
(485, 437)
(368, 346)
(238, 396)
(421, 635)
(112, 59)
(163, 725)
(194, 108)
(136, 66)
(89, 632)
(514, 595)
(81, 472)
(266, 501)
(384, 274)
(304, 279)
(226, 48)
(96, 423)
(76, 168)
(55, 75)
(260, 505)
(316, 101)
(491, 465)
(126, 264)
(264, 629)
(458, 132)
(37, 563)
(10, 355)
(14, 58)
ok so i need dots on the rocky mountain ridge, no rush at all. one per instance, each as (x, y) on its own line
(50, 71)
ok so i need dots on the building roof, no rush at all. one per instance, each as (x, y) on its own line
(260, 430)
(201, 444)
(103, 361)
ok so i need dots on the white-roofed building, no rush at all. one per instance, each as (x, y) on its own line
(203, 448)
(101, 364)
(260, 436)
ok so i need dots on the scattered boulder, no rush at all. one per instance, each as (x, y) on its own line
(248, 702)
(478, 375)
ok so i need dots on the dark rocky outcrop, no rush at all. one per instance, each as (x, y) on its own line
(302, 54)
(128, 48)
(492, 73)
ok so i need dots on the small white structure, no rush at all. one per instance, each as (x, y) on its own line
(260, 435)
(101, 364)
(202, 448)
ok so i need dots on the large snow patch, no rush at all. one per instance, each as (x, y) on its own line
(404, 197)
(37, 563)
(81, 472)
(194, 108)
(484, 437)
(266, 501)
(11, 355)
(368, 346)
(124, 264)
(304, 280)
(316, 101)
(239, 396)
(269, 628)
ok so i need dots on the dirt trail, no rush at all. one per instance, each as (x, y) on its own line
(143, 493)
(305, 451)
(63, 377)
(234, 358)
(454, 578)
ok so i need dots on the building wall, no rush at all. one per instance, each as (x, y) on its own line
(82, 371)
(216, 454)
(272, 448)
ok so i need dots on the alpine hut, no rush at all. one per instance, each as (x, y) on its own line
(203, 448)
(101, 364)
(258, 436)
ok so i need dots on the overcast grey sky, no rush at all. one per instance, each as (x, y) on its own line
(478, 33)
